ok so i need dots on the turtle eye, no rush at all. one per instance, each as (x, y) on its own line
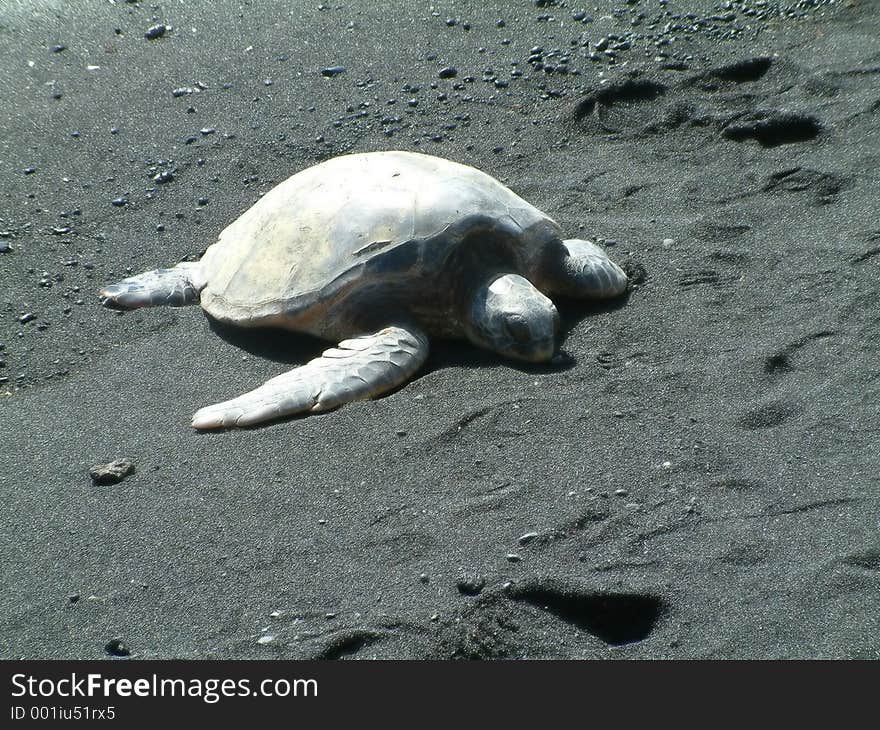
(518, 328)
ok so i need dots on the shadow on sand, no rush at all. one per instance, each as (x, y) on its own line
(294, 348)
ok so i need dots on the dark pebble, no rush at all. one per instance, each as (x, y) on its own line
(333, 71)
(111, 473)
(119, 202)
(58, 48)
(163, 177)
(29, 170)
(5, 247)
(157, 31)
(470, 585)
(207, 130)
(182, 91)
(73, 597)
(27, 317)
(448, 73)
(117, 647)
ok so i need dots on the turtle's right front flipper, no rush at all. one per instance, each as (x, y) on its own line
(175, 287)
(358, 369)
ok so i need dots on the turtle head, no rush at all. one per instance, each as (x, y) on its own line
(510, 316)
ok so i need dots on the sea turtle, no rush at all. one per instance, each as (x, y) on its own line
(377, 251)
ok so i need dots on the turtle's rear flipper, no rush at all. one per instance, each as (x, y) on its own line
(175, 287)
(357, 369)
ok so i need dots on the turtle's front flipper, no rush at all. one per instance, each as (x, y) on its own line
(585, 271)
(357, 369)
(175, 287)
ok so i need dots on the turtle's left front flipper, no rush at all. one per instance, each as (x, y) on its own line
(585, 271)
(357, 369)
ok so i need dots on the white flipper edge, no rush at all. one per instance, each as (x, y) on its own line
(174, 287)
(357, 369)
(589, 273)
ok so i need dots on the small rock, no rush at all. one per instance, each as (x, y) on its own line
(58, 48)
(73, 597)
(471, 585)
(157, 31)
(111, 473)
(117, 647)
(424, 578)
(5, 247)
(513, 558)
(448, 73)
(163, 177)
(266, 639)
(27, 317)
(621, 492)
(119, 202)
(527, 538)
(333, 71)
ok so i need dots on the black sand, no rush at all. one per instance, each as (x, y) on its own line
(700, 472)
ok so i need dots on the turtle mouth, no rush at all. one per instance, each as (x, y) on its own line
(542, 354)
(533, 350)
(529, 342)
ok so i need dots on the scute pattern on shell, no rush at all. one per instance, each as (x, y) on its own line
(313, 233)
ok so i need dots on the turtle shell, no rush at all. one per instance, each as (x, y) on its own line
(350, 223)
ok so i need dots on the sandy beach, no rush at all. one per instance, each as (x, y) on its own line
(695, 476)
